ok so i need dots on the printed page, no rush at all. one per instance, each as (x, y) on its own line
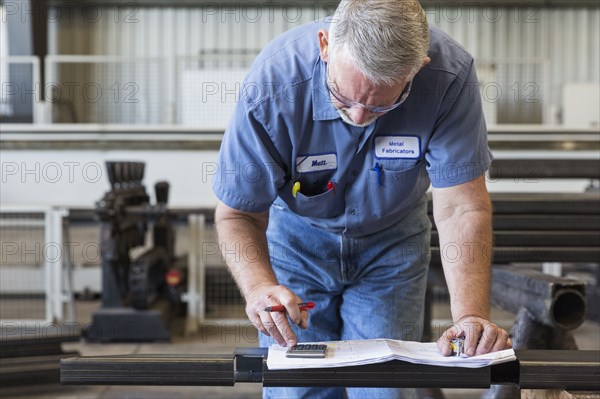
(427, 353)
(358, 352)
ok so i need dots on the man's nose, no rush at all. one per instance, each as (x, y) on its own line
(359, 115)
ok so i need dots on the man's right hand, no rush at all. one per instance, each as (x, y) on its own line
(255, 276)
(276, 324)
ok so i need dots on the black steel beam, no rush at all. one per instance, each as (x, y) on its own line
(30, 370)
(572, 370)
(545, 169)
(546, 222)
(544, 203)
(559, 369)
(528, 238)
(504, 255)
(541, 369)
(179, 370)
(36, 345)
(32, 356)
(389, 374)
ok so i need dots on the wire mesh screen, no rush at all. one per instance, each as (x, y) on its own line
(222, 297)
(182, 239)
(82, 244)
(23, 276)
(209, 87)
(84, 89)
(513, 91)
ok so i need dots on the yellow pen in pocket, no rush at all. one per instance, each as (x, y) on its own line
(296, 189)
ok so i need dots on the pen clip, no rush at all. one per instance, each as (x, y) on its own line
(378, 169)
(331, 186)
(296, 189)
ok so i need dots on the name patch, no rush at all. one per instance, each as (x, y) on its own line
(397, 147)
(316, 163)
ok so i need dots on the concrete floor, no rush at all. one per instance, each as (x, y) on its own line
(213, 340)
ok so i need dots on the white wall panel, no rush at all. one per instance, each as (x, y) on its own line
(594, 48)
(567, 39)
(190, 176)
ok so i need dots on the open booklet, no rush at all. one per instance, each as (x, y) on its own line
(353, 353)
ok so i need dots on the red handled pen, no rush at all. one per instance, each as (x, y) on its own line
(281, 308)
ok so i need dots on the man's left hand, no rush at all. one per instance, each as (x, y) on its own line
(481, 336)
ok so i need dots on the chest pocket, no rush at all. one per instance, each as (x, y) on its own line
(392, 184)
(314, 199)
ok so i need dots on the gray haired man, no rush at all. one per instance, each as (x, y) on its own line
(346, 124)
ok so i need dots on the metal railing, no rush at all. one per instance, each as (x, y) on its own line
(31, 269)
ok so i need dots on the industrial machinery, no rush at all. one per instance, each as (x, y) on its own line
(141, 284)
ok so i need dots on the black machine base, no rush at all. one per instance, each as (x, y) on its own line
(127, 325)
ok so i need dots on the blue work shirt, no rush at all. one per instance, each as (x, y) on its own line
(285, 129)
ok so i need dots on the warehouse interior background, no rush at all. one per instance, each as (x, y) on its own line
(155, 82)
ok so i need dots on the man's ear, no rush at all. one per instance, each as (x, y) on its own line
(323, 36)
(426, 61)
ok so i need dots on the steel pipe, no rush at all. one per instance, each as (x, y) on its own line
(554, 301)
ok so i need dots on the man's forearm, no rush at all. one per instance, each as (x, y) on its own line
(243, 243)
(466, 247)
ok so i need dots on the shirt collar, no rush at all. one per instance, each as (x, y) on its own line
(323, 108)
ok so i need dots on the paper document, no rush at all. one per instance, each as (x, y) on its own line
(354, 353)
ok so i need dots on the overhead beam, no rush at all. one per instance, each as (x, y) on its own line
(330, 4)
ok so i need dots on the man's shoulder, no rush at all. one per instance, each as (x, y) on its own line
(289, 58)
(447, 55)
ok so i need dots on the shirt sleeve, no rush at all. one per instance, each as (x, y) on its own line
(458, 151)
(249, 170)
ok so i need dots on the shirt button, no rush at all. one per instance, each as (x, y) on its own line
(353, 211)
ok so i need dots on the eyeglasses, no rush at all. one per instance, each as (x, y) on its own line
(371, 108)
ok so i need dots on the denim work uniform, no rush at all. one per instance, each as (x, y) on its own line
(355, 238)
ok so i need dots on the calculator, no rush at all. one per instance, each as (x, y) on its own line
(307, 350)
